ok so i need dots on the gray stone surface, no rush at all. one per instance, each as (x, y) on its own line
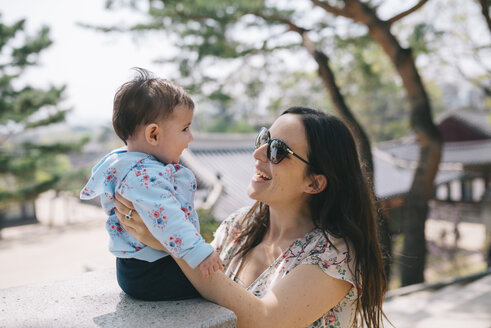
(95, 300)
(455, 306)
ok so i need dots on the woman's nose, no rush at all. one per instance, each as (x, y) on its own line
(261, 153)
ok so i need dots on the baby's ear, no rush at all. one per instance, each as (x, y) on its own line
(152, 134)
(318, 184)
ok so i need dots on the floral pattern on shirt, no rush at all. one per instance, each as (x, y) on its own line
(163, 196)
(313, 248)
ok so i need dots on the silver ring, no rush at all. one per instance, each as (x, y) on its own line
(128, 215)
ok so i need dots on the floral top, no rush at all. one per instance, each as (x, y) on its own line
(312, 248)
(163, 196)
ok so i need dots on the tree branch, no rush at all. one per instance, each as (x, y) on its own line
(277, 18)
(407, 12)
(331, 9)
(329, 81)
(308, 44)
(485, 12)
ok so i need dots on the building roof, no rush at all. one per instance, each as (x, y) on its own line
(480, 121)
(463, 149)
(392, 180)
(227, 159)
(406, 151)
(222, 142)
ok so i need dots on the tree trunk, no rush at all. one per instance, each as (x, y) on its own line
(489, 252)
(416, 206)
(333, 90)
(485, 12)
(362, 140)
(344, 112)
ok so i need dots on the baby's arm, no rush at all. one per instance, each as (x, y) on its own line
(153, 197)
(211, 264)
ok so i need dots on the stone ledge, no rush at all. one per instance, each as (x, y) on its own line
(95, 300)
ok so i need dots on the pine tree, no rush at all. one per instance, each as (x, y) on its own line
(28, 167)
(208, 33)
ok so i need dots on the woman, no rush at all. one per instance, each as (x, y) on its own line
(307, 253)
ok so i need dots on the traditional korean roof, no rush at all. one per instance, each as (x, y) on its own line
(226, 160)
(392, 180)
(406, 150)
(204, 142)
(469, 133)
(479, 121)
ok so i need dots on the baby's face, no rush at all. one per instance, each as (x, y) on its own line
(174, 135)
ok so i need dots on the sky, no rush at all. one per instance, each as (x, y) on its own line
(92, 64)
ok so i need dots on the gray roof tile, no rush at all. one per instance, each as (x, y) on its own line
(478, 120)
(469, 152)
(230, 157)
(392, 180)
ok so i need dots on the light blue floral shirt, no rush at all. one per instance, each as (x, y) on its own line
(163, 195)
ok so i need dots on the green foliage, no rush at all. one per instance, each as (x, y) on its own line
(422, 39)
(208, 224)
(215, 57)
(372, 88)
(299, 88)
(367, 81)
(28, 165)
(247, 42)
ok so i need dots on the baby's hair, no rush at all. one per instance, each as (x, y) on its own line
(146, 99)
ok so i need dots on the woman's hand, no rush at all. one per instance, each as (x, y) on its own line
(135, 225)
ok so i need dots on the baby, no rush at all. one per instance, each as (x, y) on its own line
(152, 116)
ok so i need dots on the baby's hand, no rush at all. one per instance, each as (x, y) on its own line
(211, 264)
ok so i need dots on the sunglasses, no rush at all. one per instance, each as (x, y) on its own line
(277, 148)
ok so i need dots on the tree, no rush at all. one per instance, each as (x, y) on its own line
(416, 202)
(208, 33)
(367, 81)
(28, 165)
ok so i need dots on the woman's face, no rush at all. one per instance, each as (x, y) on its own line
(283, 183)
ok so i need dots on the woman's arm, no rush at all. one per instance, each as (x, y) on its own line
(299, 299)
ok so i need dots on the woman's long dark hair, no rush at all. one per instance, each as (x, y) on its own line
(345, 209)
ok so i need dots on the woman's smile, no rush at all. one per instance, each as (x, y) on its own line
(260, 176)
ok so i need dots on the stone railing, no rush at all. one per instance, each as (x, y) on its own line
(95, 300)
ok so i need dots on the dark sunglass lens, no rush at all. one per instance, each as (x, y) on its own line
(262, 137)
(277, 151)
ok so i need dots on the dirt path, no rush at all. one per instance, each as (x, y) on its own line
(38, 252)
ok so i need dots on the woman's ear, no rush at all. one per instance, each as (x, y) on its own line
(317, 184)
(152, 134)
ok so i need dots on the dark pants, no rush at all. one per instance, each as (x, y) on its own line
(161, 280)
